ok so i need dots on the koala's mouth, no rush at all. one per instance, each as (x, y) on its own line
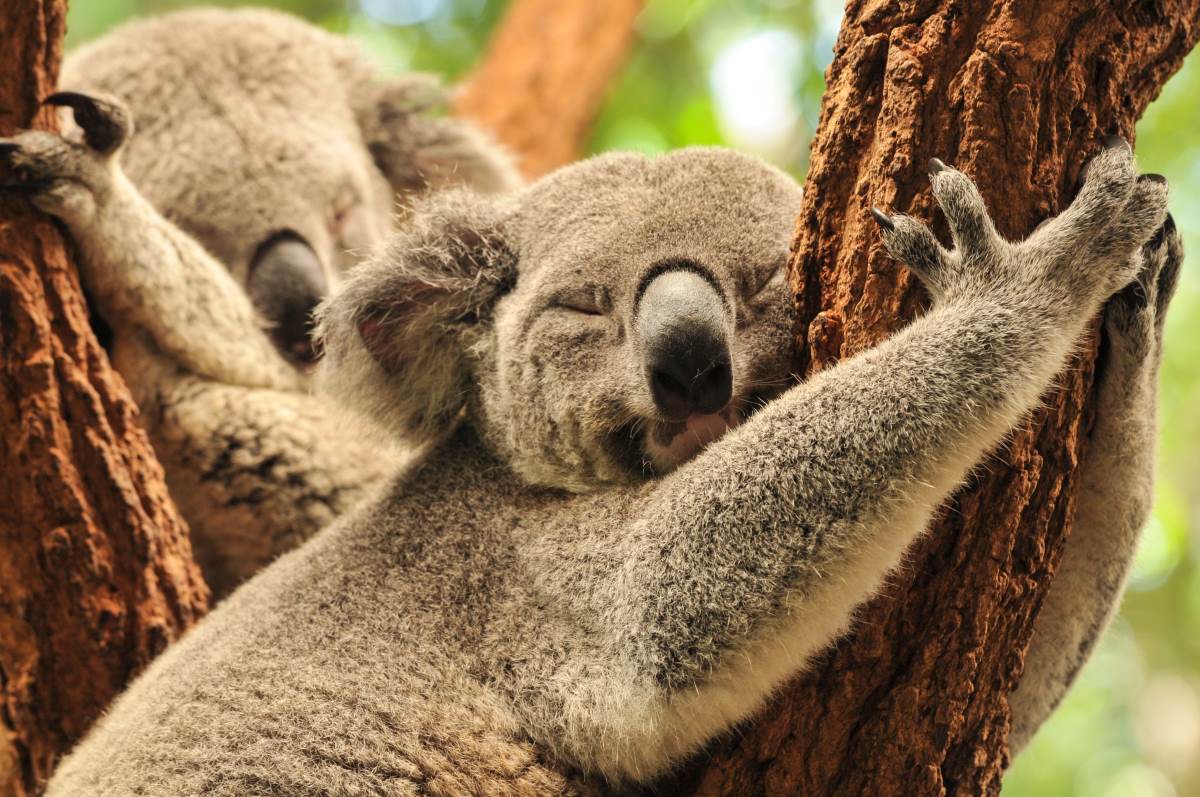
(669, 444)
(655, 446)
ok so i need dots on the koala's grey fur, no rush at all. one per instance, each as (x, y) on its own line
(558, 594)
(249, 124)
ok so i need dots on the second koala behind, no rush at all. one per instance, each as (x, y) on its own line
(266, 158)
(628, 529)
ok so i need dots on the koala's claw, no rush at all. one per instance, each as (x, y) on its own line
(911, 242)
(975, 238)
(105, 121)
(1171, 247)
(1116, 142)
(884, 220)
(1081, 257)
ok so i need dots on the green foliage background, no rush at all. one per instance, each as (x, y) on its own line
(1131, 727)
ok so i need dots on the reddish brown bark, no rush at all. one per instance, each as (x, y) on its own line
(545, 74)
(1017, 94)
(96, 573)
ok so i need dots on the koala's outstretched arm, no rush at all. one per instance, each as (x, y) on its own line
(155, 285)
(754, 555)
(1116, 491)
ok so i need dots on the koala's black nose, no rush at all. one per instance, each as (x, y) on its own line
(684, 331)
(286, 283)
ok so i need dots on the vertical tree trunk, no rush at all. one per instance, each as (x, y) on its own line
(96, 573)
(545, 75)
(1016, 94)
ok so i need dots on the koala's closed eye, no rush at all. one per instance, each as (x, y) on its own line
(587, 300)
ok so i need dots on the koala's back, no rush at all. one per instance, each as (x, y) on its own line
(345, 668)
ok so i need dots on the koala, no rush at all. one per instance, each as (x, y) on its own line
(626, 527)
(269, 157)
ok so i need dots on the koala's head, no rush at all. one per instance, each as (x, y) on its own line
(278, 146)
(602, 325)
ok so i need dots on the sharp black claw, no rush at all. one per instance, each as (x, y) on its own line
(1114, 142)
(105, 127)
(1154, 178)
(884, 220)
(69, 99)
(935, 166)
(1169, 224)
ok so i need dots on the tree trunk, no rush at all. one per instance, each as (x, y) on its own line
(545, 74)
(96, 572)
(1017, 95)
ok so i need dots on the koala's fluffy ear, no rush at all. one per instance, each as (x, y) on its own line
(396, 335)
(417, 150)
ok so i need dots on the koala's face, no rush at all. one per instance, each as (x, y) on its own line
(274, 144)
(650, 315)
(286, 199)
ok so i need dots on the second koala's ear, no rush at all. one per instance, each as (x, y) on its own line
(417, 150)
(396, 335)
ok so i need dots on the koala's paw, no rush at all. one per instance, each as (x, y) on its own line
(1074, 261)
(1135, 314)
(1094, 244)
(978, 248)
(62, 177)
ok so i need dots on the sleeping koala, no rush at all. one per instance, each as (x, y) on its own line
(269, 156)
(627, 529)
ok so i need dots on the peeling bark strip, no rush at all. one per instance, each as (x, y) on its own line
(96, 572)
(545, 75)
(1017, 95)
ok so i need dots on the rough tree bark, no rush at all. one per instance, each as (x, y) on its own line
(96, 572)
(545, 74)
(1017, 94)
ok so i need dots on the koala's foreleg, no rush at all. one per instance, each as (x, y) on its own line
(1116, 491)
(753, 557)
(151, 282)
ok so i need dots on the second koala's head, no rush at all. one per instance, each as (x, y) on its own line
(599, 326)
(277, 145)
